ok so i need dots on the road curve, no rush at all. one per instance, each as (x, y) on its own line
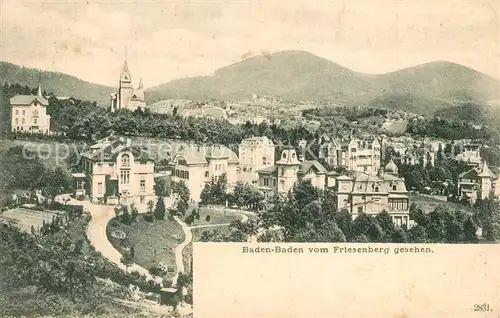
(96, 234)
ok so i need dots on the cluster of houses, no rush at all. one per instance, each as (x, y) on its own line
(113, 170)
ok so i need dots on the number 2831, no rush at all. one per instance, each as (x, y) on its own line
(481, 307)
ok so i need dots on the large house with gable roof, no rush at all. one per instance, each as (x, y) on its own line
(197, 165)
(481, 182)
(29, 113)
(114, 171)
(373, 193)
(288, 169)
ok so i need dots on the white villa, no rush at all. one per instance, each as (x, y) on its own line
(114, 171)
(29, 113)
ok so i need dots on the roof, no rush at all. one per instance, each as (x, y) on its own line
(199, 154)
(267, 170)
(306, 165)
(391, 167)
(343, 178)
(27, 100)
(107, 149)
(485, 171)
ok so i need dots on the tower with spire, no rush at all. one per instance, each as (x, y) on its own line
(126, 96)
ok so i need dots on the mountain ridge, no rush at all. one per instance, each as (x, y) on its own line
(300, 75)
(295, 76)
(61, 84)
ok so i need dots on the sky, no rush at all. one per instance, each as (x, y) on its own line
(175, 39)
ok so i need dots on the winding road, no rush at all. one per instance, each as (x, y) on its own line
(102, 214)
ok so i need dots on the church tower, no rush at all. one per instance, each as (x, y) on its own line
(125, 89)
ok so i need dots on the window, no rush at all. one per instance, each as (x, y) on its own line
(142, 184)
(284, 155)
(266, 181)
(282, 172)
(181, 162)
(124, 176)
(377, 189)
(23, 121)
(35, 113)
(24, 112)
(17, 121)
(394, 187)
(360, 209)
(207, 174)
(35, 121)
(142, 198)
(99, 188)
(264, 160)
(17, 111)
(125, 161)
(293, 155)
(79, 185)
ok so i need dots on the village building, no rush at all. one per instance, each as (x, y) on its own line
(198, 165)
(126, 96)
(470, 154)
(29, 113)
(288, 169)
(113, 171)
(372, 194)
(361, 155)
(255, 153)
(481, 182)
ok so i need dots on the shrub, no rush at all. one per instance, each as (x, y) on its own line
(155, 271)
(148, 217)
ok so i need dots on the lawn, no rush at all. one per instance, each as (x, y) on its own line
(217, 216)
(51, 153)
(153, 242)
(428, 204)
(24, 218)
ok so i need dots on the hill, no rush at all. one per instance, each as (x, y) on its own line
(299, 75)
(58, 83)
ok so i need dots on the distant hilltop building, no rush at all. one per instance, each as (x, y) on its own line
(126, 97)
(29, 113)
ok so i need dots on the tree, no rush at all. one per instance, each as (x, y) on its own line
(361, 239)
(127, 260)
(125, 216)
(417, 234)
(362, 224)
(159, 212)
(384, 220)
(151, 206)
(134, 212)
(344, 222)
(162, 187)
(470, 230)
(399, 236)
(330, 232)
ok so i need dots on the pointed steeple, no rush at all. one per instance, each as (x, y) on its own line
(39, 91)
(485, 171)
(125, 75)
(141, 86)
